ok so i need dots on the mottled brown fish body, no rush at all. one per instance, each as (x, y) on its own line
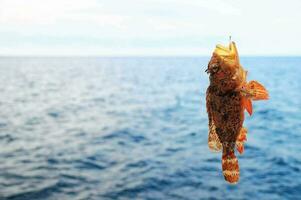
(227, 114)
(226, 98)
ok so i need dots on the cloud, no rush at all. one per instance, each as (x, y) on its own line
(37, 12)
(148, 26)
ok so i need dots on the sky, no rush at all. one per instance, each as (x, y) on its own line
(148, 27)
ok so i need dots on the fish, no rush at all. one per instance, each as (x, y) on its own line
(228, 95)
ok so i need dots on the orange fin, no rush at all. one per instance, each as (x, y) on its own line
(242, 137)
(230, 167)
(247, 104)
(213, 142)
(256, 91)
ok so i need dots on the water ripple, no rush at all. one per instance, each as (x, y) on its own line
(136, 128)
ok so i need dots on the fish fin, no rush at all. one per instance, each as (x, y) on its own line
(225, 52)
(221, 50)
(230, 167)
(229, 54)
(256, 91)
(247, 104)
(241, 138)
(213, 141)
(234, 51)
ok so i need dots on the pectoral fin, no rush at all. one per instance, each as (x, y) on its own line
(247, 104)
(256, 91)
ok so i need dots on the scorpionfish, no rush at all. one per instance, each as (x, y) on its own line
(227, 96)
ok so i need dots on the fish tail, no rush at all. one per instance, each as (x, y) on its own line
(257, 91)
(230, 166)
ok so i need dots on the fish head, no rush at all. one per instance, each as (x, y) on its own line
(224, 64)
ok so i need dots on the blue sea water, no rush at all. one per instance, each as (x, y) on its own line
(136, 128)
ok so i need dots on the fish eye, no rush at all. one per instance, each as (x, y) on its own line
(214, 68)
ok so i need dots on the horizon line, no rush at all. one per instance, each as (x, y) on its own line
(137, 55)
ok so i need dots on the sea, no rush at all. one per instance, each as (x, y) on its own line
(107, 128)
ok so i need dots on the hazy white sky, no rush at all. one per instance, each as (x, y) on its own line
(148, 27)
